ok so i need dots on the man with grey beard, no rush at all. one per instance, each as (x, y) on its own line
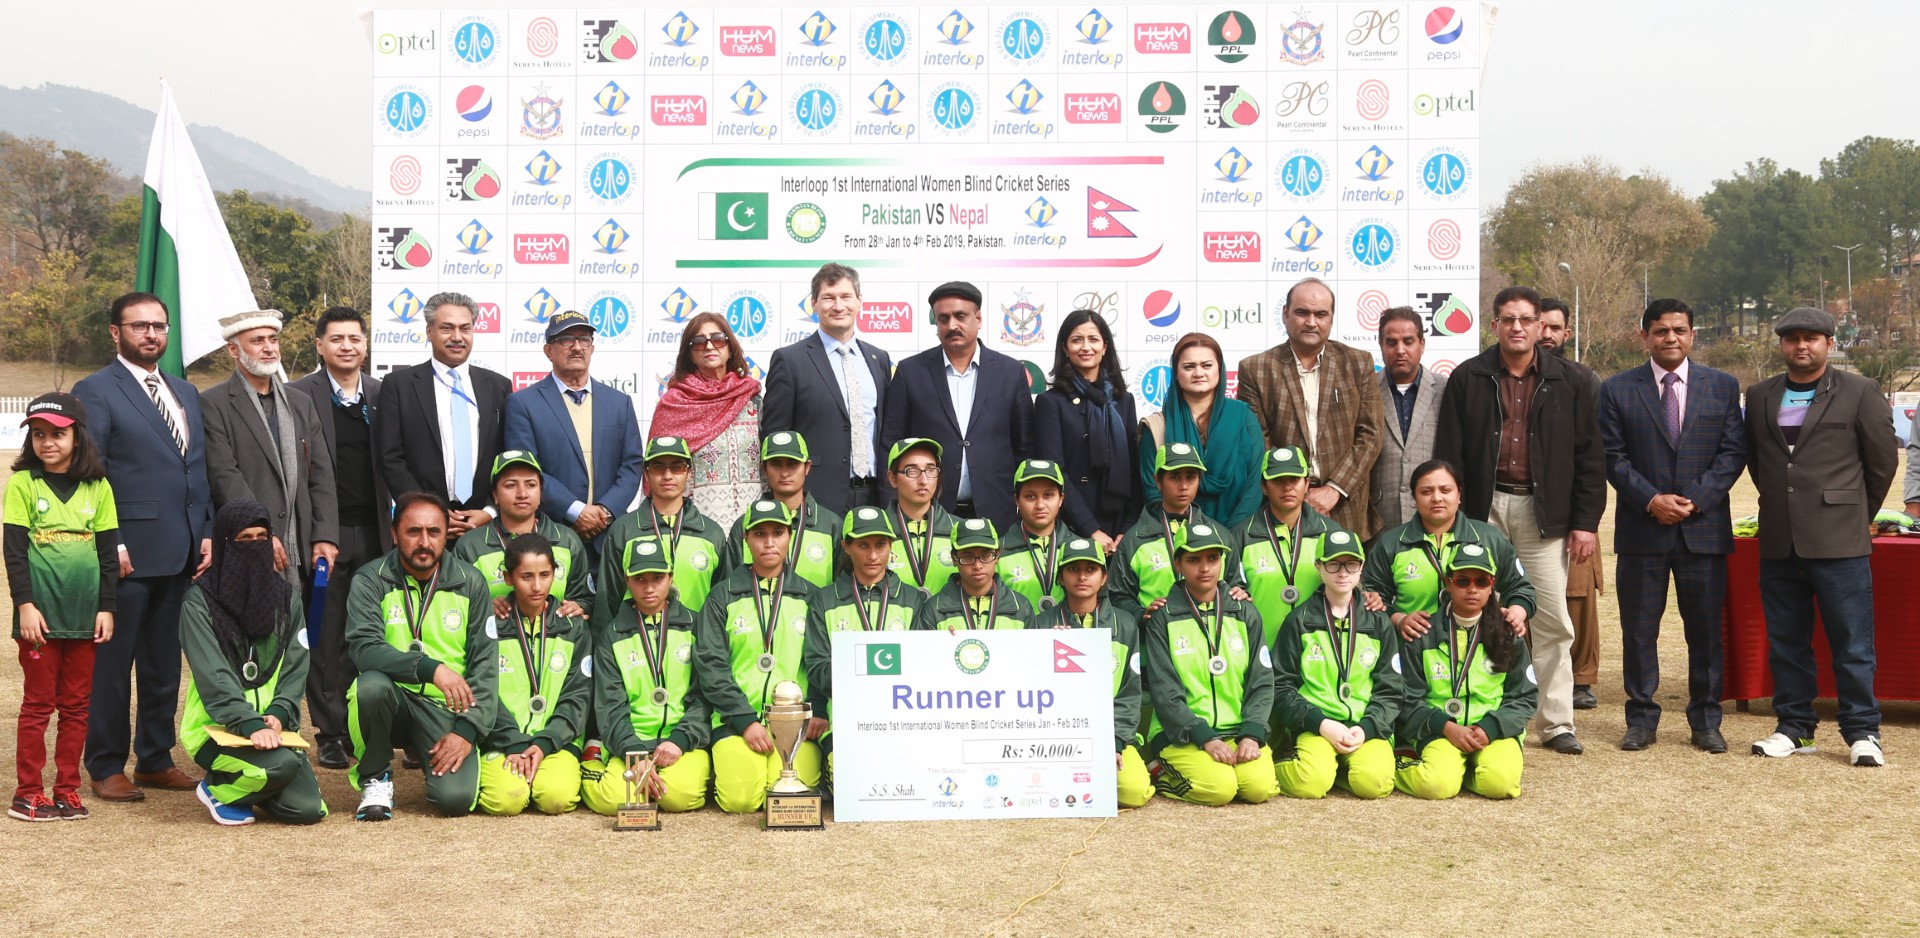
(266, 445)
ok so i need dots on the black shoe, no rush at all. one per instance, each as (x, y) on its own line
(1583, 698)
(333, 754)
(1565, 744)
(408, 760)
(1637, 738)
(1709, 740)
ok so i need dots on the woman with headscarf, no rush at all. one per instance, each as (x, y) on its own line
(713, 403)
(1199, 413)
(1085, 422)
(246, 646)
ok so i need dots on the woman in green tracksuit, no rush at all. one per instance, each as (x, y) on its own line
(246, 647)
(695, 543)
(747, 641)
(1403, 566)
(785, 464)
(1336, 683)
(1276, 559)
(1209, 671)
(516, 496)
(976, 599)
(646, 694)
(1470, 692)
(532, 754)
(1030, 554)
(865, 597)
(1145, 576)
(923, 558)
(1083, 577)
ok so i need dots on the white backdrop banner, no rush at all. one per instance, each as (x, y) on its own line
(1174, 167)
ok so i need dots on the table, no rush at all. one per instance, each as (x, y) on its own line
(1896, 615)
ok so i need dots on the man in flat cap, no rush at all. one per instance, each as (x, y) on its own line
(970, 399)
(266, 445)
(1822, 453)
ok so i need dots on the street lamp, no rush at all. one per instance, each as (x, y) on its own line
(1849, 275)
(1579, 335)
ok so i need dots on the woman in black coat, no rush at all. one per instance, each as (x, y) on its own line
(1085, 421)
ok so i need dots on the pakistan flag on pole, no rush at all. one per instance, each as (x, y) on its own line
(186, 256)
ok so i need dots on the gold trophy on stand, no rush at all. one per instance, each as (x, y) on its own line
(791, 805)
(639, 812)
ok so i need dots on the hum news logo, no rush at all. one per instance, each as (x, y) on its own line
(523, 380)
(678, 110)
(886, 318)
(1162, 38)
(1090, 108)
(486, 318)
(1231, 247)
(746, 41)
(542, 248)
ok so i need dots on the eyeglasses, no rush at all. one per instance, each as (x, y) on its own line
(710, 340)
(1347, 566)
(1477, 581)
(976, 558)
(574, 341)
(1508, 322)
(916, 473)
(145, 328)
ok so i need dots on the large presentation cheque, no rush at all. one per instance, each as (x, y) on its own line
(943, 726)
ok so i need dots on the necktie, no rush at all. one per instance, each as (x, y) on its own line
(462, 442)
(856, 409)
(1672, 403)
(579, 397)
(166, 416)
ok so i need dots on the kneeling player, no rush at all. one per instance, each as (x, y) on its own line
(976, 599)
(868, 597)
(1083, 577)
(532, 756)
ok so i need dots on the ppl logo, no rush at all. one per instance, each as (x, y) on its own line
(486, 319)
(1231, 247)
(746, 41)
(1445, 25)
(1443, 239)
(679, 29)
(1091, 108)
(679, 110)
(1162, 309)
(474, 103)
(1371, 99)
(523, 380)
(403, 174)
(1370, 305)
(543, 37)
(886, 318)
(1162, 38)
(1155, 384)
(1162, 104)
(530, 248)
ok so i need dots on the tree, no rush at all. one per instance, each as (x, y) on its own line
(53, 313)
(54, 200)
(1772, 231)
(277, 247)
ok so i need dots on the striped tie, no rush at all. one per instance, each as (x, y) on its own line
(166, 417)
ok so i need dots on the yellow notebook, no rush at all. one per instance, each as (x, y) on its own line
(220, 735)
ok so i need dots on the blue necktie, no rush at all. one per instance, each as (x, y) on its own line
(462, 443)
(578, 397)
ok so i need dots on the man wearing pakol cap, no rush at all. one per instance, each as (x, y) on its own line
(266, 445)
(1822, 453)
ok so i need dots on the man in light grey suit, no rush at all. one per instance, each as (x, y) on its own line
(1412, 398)
(266, 445)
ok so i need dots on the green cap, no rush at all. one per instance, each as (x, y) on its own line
(513, 457)
(975, 532)
(1471, 557)
(766, 511)
(667, 446)
(785, 444)
(1032, 469)
(1339, 545)
(910, 444)
(1178, 456)
(867, 522)
(1286, 462)
(647, 555)
(1080, 548)
(1199, 537)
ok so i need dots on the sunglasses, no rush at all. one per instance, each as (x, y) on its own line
(710, 340)
(1478, 581)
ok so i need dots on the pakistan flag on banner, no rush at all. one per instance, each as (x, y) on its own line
(733, 216)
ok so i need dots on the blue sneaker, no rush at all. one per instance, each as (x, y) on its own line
(223, 814)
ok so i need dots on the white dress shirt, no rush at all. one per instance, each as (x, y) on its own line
(167, 398)
(960, 386)
(443, 406)
(866, 396)
(1679, 387)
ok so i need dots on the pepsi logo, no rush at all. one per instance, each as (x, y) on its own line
(1370, 305)
(404, 175)
(1162, 309)
(1371, 99)
(1443, 239)
(543, 37)
(474, 103)
(1444, 25)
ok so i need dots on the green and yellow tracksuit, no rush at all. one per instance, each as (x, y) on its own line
(732, 635)
(486, 549)
(1135, 785)
(1347, 671)
(693, 540)
(219, 695)
(394, 699)
(562, 677)
(1027, 559)
(1265, 563)
(923, 556)
(812, 554)
(1403, 565)
(1499, 703)
(1192, 704)
(1144, 571)
(633, 719)
(835, 609)
(954, 610)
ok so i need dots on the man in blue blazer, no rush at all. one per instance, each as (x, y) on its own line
(831, 388)
(1675, 443)
(583, 431)
(970, 399)
(148, 430)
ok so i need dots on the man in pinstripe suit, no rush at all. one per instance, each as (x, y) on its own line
(1675, 443)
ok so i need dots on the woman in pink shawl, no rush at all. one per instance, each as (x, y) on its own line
(714, 405)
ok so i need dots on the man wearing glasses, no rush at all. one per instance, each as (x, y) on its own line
(444, 419)
(583, 431)
(1520, 427)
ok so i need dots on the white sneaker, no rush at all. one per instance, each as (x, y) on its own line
(1866, 753)
(1780, 746)
(376, 799)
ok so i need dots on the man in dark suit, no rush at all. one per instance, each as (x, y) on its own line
(1675, 445)
(833, 366)
(1822, 453)
(444, 418)
(348, 403)
(148, 429)
(1410, 399)
(584, 433)
(970, 399)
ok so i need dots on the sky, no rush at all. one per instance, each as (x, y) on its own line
(1692, 89)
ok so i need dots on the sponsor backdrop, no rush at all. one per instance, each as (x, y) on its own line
(1175, 168)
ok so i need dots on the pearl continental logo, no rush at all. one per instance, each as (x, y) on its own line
(1022, 322)
(806, 222)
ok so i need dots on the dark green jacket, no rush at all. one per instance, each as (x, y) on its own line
(1306, 681)
(698, 546)
(938, 538)
(1145, 570)
(1190, 704)
(1124, 635)
(728, 643)
(568, 688)
(485, 548)
(216, 693)
(623, 685)
(1499, 703)
(816, 558)
(1023, 564)
(1256, 567)
(833, 610)
(459, 632)
(1400, 570)
(949, 608)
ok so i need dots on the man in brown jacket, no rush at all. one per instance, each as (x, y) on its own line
(1320, 395)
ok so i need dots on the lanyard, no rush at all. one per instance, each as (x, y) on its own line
(1341, 663)
(917, 565)
(455, 391)
(769, 613)
(1458, 659)
(1294, 540)
(416, 621)
(1067, 619)
(860, 606)
(1219, 626)
(673, 543)
(536, 659)
(984, 621)
(656, 655)
(1047, 571)
(799, 534)
(1166, 530)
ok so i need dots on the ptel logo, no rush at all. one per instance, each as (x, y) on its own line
(1091, 108)
(896, 318)
(746, 40)
(1231, 247)
(1162, 38)
(541, 248)
(678, 110)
